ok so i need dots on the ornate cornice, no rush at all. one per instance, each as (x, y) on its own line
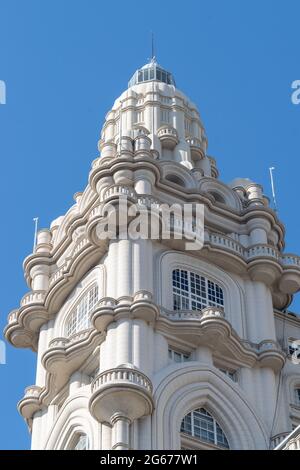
(38, 307)
(206, 328)
(209, 327)
(63, 357)
(263, 262)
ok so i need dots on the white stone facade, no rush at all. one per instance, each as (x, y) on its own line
(133, 336)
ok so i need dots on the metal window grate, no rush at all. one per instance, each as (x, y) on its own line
(201, 425)
(194, 292)
(79, 318)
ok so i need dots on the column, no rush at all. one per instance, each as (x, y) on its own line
(268, 393)
(264, 312)
(111, 264)
(124, 268)
(120, 432)
(142, 265)
(251, 313)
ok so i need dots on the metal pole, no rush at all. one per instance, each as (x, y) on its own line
(36, 220)
(271, 169)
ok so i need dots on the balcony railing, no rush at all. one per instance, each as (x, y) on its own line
(225, 242)
(33, 391)
(122, 375)
(290, 260)
(12, 317)
(262, 250)
(167, 131)
(33, 297)
(59, 273)
(119, 190)
(207, 312)
(194, 142)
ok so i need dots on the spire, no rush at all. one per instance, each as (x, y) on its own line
(153, 58)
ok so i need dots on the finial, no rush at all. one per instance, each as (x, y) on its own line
(36, 221)
(271, 169)
(153, 58)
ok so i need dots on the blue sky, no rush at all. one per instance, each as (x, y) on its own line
(65, 61)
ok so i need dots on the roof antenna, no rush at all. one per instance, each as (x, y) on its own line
(271, 169)
(36, 221)
(152, 47)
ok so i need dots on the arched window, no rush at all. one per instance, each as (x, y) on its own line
(79, 317)
(202, 426)
(217, 196)
(194, 292)
(81, 442)
(175, 179)
(297, 396)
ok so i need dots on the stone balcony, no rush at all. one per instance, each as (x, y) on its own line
(168, 137)
(123, 388)
(118, 190)
(33, 297)
(64, 355)
(265, 263)
(108, 309)
(197, 148)
(30, 403)
(12, 316)
(124, 376)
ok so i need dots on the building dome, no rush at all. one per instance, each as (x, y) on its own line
(151, 71)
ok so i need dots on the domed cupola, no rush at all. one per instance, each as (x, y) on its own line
(149, 72)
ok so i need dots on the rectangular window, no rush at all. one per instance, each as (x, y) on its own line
(165, 116)
(177, 356)
(166, 100)
(146, 75)
(188, 126)
(230, 374)
(139, 117)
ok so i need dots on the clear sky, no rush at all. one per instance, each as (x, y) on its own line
(65, 61)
